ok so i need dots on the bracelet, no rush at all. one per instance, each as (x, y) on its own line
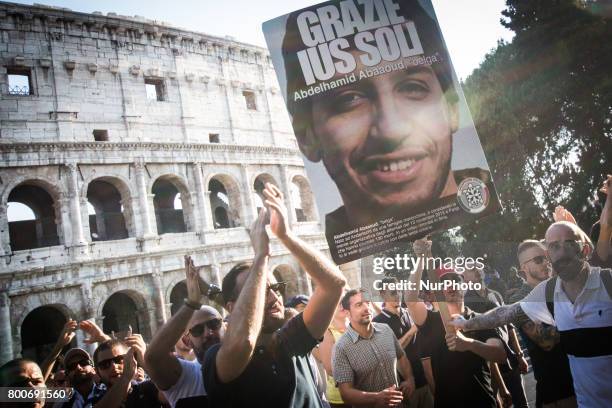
(192, 305)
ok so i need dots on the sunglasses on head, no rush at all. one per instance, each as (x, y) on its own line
(83, 363)
(104, 364)
(538, 260)
(198, 329)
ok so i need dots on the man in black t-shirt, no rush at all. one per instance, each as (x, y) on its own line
(459, 360)
(398, 319)
(263, 359)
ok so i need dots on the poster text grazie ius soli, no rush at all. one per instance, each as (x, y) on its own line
(380, 35)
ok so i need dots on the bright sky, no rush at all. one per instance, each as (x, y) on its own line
(471, 27)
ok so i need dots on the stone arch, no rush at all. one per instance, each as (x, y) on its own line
(111, 199)
(225, 203)
(40, 329)
(44, 230)
(125, 308)
(258, 185)
(286, 273)
(303, 199)
(178, 293)
(172, 204)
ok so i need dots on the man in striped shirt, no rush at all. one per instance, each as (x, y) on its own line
(578, 301)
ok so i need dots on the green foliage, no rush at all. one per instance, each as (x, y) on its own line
(542, 105)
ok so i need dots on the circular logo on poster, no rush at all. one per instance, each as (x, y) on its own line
(473, 195)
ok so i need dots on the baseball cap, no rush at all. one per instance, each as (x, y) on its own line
(75, 353)
(296, 300)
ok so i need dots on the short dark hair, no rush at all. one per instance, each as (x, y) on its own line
(346, 299)
(528, 244)
(9, 366)
(107, 345)
(228, 286)
(429, 31)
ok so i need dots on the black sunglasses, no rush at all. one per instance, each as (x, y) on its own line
(538, 260)
(104, 364)
(83, 363)
(277, 287)
(198, 329)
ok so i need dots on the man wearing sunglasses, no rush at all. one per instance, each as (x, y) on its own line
(80, 372)
(199, 327)
(578, 301)
(263, 360)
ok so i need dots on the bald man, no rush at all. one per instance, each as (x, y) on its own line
(200, 327)
(22, 372)
(578, 301)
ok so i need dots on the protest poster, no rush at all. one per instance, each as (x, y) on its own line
(387, 139)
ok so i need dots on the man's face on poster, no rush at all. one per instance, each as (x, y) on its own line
(386, 140)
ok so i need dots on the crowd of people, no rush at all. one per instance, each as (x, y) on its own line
(445, 348)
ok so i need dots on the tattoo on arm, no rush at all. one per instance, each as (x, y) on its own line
(543, 335)
(498, 317)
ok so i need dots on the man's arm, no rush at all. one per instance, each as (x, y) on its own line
(516, 348)
(160, 363)
(408, 336)
(492, 319)
(115, 396)
(63, 340)
(418, 311)
(247, 314)
(325, 351)
(545, 336)
(491, 350)
(324, 273)
(405, 369)
(429, 374)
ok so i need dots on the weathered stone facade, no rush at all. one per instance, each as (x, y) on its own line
(134, 143)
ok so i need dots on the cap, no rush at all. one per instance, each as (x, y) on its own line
(296, 300)
(441, 272)
(76, 353)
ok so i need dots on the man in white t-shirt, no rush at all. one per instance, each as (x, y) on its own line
(181, 380)
(578, 301)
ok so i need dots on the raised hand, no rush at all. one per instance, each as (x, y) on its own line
(68, 333)
(136, 342)
(279, 223)
(93, 331)
(258, 234)
(422, 247)
(192, 275)
(129, 366)
(562, 214)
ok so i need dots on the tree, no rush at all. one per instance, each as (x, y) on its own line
(542, 106)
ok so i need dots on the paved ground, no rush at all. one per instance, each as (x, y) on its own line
(530, 388)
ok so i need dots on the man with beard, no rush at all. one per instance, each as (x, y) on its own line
(367, 357)
(199, 327)
(459, 361)
(263, 359)
(80, 371)
(550, 366)
(22, 373)
(117, 364)
(578, 302)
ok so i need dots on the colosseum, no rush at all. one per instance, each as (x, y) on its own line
(126, 144)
